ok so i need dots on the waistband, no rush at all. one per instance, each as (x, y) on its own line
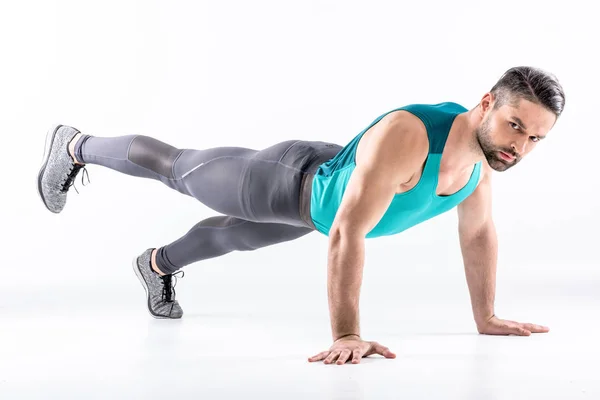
(306, 183)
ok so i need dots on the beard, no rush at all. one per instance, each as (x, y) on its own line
(491, 151)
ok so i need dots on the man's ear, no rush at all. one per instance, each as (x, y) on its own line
(486, 104)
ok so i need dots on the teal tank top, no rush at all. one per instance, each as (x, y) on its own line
(406, 209)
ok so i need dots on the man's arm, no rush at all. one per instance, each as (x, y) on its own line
(394, 152)
(479, 246)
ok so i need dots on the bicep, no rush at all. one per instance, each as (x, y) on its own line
(364, 202)
(390, 158)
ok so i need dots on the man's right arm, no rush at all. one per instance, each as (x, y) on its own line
(396, 150)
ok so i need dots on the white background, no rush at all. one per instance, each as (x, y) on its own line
(199, 74)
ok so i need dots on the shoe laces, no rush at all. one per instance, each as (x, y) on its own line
(70, 181)
(168, 291)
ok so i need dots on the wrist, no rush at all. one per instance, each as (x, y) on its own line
(483, 318)
(349, 335)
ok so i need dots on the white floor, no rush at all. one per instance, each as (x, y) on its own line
(248, 337)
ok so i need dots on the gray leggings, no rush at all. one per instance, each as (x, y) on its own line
(264, 195)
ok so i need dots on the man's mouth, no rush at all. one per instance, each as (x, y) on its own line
(505, 156)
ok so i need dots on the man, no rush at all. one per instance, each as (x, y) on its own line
(410, 164)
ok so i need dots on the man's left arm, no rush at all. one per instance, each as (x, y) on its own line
(479, 247)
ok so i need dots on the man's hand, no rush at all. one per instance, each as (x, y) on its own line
(351, 347)
(497, 326)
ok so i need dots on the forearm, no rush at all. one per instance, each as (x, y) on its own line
(479, 253)
(344, 279)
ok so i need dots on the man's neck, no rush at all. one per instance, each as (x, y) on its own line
(462, 150)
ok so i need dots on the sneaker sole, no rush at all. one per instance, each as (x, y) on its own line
(138, 273)
(49, 141)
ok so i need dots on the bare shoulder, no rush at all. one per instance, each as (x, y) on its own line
(411, 126)
(398, 137)
(405, 117)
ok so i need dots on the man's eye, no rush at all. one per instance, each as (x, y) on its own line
(535, 139)
(514, 126)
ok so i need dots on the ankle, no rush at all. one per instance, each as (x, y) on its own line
(72, 145)
(154, 265)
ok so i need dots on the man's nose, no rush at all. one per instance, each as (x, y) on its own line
(519, 147)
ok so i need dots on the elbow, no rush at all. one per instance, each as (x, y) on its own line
(346, 232)
(335, 235)
(484, 231)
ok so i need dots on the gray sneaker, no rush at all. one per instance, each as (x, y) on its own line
(160, 290)
(58, 170)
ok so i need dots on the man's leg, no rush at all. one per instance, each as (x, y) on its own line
(259, 191)
(218, 186)
(254, 185)
(219, 235)
(212, 237)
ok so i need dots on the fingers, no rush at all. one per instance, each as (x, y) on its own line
(535, 328)
(352, 352)
(332, 356)
(377, 348)
(518, 330)
(344, 355)
(506, 329)
(319, 356)
(356, 356)
(384, 351)
(532, 328)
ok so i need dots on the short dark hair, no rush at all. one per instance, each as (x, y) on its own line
(532, 84)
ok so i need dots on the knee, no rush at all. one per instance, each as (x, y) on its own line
(153, 154)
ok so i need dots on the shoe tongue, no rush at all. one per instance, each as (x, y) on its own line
(167, 289)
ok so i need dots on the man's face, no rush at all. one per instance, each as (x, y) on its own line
(509, 133)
